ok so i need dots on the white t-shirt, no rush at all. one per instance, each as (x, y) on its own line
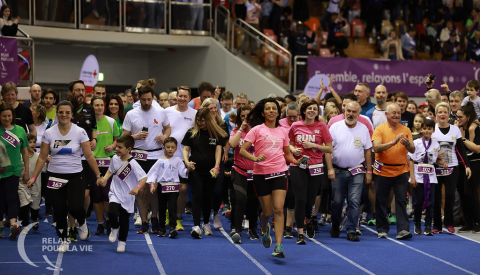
(476, 104)
(180, 122)
(120, 189)
(333, 6)
(167, 170)
(378, 118)
(66, 150)
(349, 144)
(223, 114)
(419, 156)
(154, 119)
(447, 143)
(138, 104)
(40, 131)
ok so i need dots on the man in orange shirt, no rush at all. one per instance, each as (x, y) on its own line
(391, 170)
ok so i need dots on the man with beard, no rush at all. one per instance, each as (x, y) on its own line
(49, 98)
(23, 114)
(347, 98)
(391, 170)
(351, 147)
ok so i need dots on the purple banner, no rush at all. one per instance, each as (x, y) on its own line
(406, 76)
(8, 60)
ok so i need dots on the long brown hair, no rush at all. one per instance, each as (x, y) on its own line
(212, 126)
(237, 118)
(121, 111)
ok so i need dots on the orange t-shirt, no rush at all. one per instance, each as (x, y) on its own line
(394, 155)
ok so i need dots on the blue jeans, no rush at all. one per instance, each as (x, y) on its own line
(154, 10)
(196, 13)
(344, 181)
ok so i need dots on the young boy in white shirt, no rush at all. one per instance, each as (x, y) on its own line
(164, 175)
(128, 178)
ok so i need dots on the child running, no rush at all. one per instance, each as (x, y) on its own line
(128, 178)
(165, 172)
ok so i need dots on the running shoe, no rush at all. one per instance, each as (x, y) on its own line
(144, 229)
(418, 228)
(344, 219)
(465, 228)
(100, 230)
(83, 231)
(227, 213)
(207, 229)
(196, 232)
(167, 219)
(335, 230)
(266, 238)
(372, 221)
(253, 235)
(410, 216)
(113, 235)
(329, 220)
(436, 231)
(173, 233)
(382, 235)
(138, 222)
(246, 224)
(72, 232)
(428, 230)
(135, 216)
(232, 230)
(2, 232)
(162, 232)
(108, 226)
(357, 230)
(391, 218)
(310, 230)
(352, 236)
(121, 246)
(179, 225)
(476, 229)
(363, 219)
(278, 251)
(403, 235)
(63, 247)
(155, 225)
(36, 226)
(322, 221)
(301, 239)
(217, 223)
(288, 232)
(236, 237)
(451, 229)
(315, 225)
(24, 231)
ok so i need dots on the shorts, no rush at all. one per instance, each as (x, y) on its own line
(265, 187)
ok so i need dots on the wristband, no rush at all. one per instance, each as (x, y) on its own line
(216, 167)
(33, 178)
(99, 175)
(139, 187)
(317, 146)
(369, 172)
(391, 142)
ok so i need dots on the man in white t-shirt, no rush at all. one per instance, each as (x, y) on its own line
(377, 114)
(351, 147)
(181, 118)
(149, 127)
(226, 103)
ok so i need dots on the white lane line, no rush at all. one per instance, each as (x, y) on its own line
(459, 235)
(259, 265)
(424, 253)
(155, 255)
(58, 265)
(22, 262)
(343, 257)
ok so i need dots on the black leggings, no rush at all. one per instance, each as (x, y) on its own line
(218, 188)
(67, 199)
(468, 191)
(202, 189)
(24, 217)
(9, 201)
(306, 188)
(245, 197)
(163, 200)
(290, 197)
(450, 183)
(115, 213)
(326, 199)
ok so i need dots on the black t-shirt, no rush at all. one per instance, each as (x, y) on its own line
(24, 117)
(471, 155)
(202, 148)
(417, 136)
(407, 119)
(85, 119)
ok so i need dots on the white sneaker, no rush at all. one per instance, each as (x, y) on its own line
(196, 232)
(121, 246)
(247, 224)
(207, 229)
(83, 231)
(113, 235)
(135, 215)
(63, 247)
(138, 222)
(217, 223)
(24, 231)
(149, 216)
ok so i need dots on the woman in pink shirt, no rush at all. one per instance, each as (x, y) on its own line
(269, 170)
(310, 139)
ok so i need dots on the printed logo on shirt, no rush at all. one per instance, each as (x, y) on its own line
(60, 143)
(404, 122)
(357, 142)
(155, 121)
(187, 118)
(302, 138)
(87, 121)
(272, 143)
(454, 138)
(317, 131)
(213, 141)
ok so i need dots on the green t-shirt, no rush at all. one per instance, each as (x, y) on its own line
(14, 152)
(472, 33)
(120, 125)
(128, 107)
(51, 115)
(105, 137)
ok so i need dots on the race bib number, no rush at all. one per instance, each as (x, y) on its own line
(56, 183)
(444, 172)
(357, 170)
(139, 154)
(250, 175)
(316, 169)
(377, 165)
(425, 168)
(274, 175)
(103, 162)
(124, 171)
(11, 138)
(170, 187)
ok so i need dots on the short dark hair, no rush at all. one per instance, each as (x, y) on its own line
(170, 139)
(401, 95)
(291, 97)
(305, 105)
(227, 95)
(50, 91)
(145, 89)
(5, 107)
(474, 84)
(65, 103)
(31, 136)
(205, 86)
(281, 99)
(127, 140)
(96, 98)
(428, 123)
(350, 96)
(9, 86)
(99, 86)
(72, 83)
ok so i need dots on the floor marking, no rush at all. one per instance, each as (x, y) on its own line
(259, 265)
(458, 235)
(424, 253)
(343, 257)
(155, 255)
(58, 264)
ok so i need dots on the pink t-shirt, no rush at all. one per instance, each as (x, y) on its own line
(317, 133)
(269, 142)
(241, 162)
(361, 118)
(284, 123)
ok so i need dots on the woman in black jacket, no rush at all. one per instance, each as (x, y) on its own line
(7, 26)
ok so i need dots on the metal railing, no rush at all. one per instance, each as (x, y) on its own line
(105, 22)
(26, 52)
(296, 72)
(192, 20)
(222, 32)
(136, 24)
(67, 18)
